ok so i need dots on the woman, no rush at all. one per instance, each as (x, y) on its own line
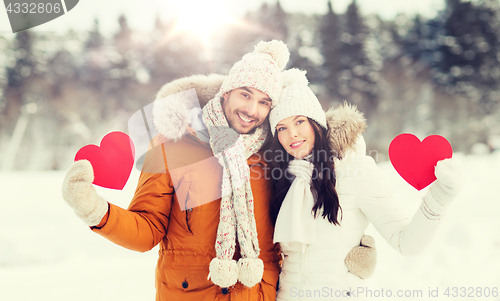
(330, 191)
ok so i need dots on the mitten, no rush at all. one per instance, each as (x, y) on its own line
(78, 192)
(362, 259)
(448, 184)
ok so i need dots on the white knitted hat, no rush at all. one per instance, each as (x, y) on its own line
(260, 69)
(296, 99)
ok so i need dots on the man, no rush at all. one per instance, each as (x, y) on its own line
(201, 193)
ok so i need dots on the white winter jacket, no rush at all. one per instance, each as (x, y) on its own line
(320, 272)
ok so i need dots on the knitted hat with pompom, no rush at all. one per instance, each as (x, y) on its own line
(260, 69)
(296, 99)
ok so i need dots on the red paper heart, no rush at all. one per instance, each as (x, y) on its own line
(415, 160)
(112, 161)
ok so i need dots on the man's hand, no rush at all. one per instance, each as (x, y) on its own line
(80, 195)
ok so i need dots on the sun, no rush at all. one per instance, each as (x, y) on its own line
(201, 16)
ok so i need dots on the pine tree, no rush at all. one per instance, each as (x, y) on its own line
(95, 39)
(302, 62)
(19, 78)
(122, 70)
(272, 22)
(358, 80)
(123, 38)
(330, 49)
(470, 50)
(96, 74)
(279, 21)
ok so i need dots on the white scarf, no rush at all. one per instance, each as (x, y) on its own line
(296, 226)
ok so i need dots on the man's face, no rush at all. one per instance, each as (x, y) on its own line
(246, 108)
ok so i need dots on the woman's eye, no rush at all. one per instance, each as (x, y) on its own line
(245, 95)
(281, 129)
(264, 103)
(300, 121)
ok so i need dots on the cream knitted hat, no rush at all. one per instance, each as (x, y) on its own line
(260, 69)
(296, 99)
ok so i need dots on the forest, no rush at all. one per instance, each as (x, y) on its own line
(59, 92)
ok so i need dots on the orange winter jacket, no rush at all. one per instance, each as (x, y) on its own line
(176, 204)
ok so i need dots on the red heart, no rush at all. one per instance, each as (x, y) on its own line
(112, 161)
(415, 160)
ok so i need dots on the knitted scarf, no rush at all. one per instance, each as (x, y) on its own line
(237, 208)
(295, 225)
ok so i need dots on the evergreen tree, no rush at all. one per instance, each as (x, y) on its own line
(410, 35)
(19, 78)
(95, 39)
(95, 74)
(358, 75)
(238, 40)
(330, 49)
(299, 61)
(123, 38)
(96, 66)
(469, 51)
(272, 22)
(122, 70)
(279, 23)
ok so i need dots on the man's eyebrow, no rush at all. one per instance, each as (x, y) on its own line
(250, 91)
(246, 89)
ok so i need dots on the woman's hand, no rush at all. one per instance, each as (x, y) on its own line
(449, 181)
(361, 260)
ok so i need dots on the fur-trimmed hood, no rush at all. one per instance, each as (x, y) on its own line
(171, 118)
(345, 126)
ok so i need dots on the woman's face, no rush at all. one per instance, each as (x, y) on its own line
(296, 135)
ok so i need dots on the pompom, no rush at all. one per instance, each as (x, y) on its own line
(251, 271)
(223, 272)
(294, 76)
(368, 241)
(277, 50)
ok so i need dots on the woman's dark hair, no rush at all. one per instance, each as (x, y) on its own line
(323, 178)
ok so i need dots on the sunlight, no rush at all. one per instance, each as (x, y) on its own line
(201, 16)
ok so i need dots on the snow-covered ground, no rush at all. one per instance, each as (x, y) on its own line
(47, 253)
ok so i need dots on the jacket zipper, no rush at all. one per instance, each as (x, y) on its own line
(187, 216)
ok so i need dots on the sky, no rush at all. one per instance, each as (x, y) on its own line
(141, 14)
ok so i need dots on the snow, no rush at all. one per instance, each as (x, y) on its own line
(47, 253)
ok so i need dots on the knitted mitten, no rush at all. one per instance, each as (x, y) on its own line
(361, 260)
(78, 192)
(448, 184)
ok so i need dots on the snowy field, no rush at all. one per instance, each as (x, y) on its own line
(47, 253)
